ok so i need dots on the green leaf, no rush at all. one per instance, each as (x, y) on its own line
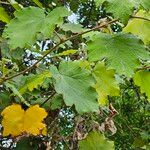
(144, 3)
(26, 144)
(140, 27)
(28, 22)
(4, 100)
(56, 102)
(122, 51)
(75, 84)
(15, 4)
(106, 83)
(16, 93)
(67, 52)
(99, 2)
(33, 81)
(38, 3)
(3, 15)
(142, 79)
(120, 9)
(95, 141)
(74, 28)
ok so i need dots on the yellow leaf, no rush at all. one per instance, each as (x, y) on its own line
(16, 121)
(12, 120)
(106, 83)
(140, 27)
(33, 120)
(67, 52)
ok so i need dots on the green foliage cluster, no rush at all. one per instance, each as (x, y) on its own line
(86, 62)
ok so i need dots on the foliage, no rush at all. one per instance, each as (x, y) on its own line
(95, 141)
(74, 74)
(106, 83)
(14, 117)
(134, 26)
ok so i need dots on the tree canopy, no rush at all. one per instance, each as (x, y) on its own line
(75, 74)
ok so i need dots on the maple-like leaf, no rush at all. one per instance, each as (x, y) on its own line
(142, 79)
(144, 3)
(33, 120)
(33, 81)
(140, 27)
(16, 121)
(28, 22)
(122, 51)
(75, 84)
(120, 9)
(12, 120)
(106, 83)
(95, 141)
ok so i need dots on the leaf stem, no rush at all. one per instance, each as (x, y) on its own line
(138, 17)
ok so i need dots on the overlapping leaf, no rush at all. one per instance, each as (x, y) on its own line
(16, 92)
(144, 3)
(122, 51)
(142, 79)
(75, 28)
(16, 121)
(75, 84)
(32, 82)
(28, 22)
(124, 9)
(3, 15)
(140, 27)
(120, 9)
(95, 141)
(67, 52)
(98, 2)
(106, 84)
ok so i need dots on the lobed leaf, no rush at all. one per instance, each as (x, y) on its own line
(75, 84)
(28, 22)
(106, 84)
(122, 51)
(34, 81)
(140, 27)
(16, 121)
(95, 141)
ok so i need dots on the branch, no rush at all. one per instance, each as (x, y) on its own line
(52, 49)
(58, 36)
(137, 17)
(143, 68)
(53, 93)
(1, 2)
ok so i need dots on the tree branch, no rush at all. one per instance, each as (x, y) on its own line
(143, 68)
(52, 49)
(53, 93)
(58, 36)
(6, 3)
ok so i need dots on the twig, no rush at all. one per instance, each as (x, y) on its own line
(52, 49)
(145, 67)
(1, 2)
(53, 93)
(58, 36)
(137, 17)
